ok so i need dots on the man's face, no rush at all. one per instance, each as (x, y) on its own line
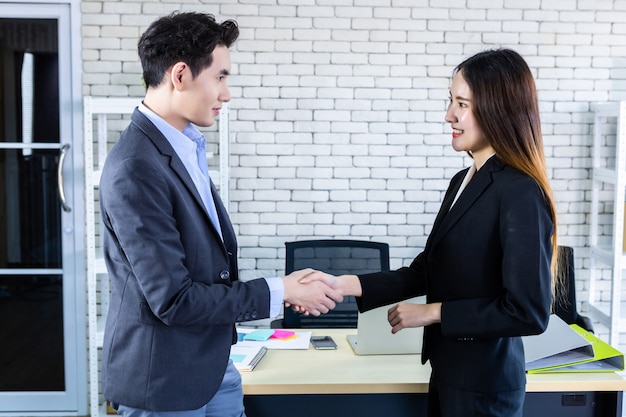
(201, 99)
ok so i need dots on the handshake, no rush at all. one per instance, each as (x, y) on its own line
(314, 292)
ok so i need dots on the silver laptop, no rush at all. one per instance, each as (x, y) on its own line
(374, 335)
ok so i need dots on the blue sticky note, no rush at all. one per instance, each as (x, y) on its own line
(259, 335)
(237, 358)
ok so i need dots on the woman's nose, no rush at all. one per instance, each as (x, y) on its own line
(450, 115)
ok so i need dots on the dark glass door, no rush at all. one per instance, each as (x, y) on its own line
(31, 297)
(38, 323)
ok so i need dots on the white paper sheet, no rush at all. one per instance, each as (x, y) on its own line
(301, 341)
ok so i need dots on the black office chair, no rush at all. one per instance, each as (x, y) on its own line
(336, 257)
(565, 307)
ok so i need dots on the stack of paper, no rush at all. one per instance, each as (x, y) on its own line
(245, 358)
(273, 338)
(252, 344)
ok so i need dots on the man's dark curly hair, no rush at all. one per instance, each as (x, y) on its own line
(188, 37)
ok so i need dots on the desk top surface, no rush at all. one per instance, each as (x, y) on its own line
(340, 371)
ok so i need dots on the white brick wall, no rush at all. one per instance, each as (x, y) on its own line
(338, 106)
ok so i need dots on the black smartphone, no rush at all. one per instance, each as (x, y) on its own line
(323, 342)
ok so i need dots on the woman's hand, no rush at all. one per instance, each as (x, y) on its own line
(343, 285)
(404, 315)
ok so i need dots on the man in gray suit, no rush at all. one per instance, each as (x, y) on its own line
(169, 245)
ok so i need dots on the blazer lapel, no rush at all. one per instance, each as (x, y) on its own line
(447, 201)
(448, 217)
(178, 167)
(228, 233)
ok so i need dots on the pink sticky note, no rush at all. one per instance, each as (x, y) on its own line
(282, 334)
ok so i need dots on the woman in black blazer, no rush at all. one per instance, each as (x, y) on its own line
(488, 263)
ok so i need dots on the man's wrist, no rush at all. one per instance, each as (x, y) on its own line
(277, 294)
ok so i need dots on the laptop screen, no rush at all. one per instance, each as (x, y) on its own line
(374, 335)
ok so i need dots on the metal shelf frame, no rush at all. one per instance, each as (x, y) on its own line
(605, 255)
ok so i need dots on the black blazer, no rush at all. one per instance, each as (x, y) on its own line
(175, 295)
(487, 260)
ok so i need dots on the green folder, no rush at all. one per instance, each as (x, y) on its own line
(605, 357)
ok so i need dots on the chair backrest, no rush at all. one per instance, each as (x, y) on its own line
(336, 257)
(565, 307)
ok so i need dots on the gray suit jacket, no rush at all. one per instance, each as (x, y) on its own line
(487, 260)
(175, 293)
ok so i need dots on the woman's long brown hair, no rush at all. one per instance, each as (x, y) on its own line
(506, 107)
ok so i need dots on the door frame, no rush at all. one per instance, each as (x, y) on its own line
(72, 401)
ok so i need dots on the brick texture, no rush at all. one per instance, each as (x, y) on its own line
(337, 108)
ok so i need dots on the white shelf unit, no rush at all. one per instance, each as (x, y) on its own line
(104, 119)
(606, 234)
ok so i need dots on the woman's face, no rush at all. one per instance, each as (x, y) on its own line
(466, 134)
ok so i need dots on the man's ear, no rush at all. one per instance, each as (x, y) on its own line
(178, 73)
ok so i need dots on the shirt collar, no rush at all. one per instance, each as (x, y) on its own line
(173, 135)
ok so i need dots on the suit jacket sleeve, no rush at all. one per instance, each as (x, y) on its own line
(386, 287)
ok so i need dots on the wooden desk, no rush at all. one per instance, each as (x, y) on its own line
(338, 382)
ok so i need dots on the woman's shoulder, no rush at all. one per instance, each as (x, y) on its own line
(512, 181)
(501, 169)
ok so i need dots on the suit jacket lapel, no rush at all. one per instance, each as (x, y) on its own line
(228, 233)
(178, 167)
(447, 201)
(447, 216)
(453, 189)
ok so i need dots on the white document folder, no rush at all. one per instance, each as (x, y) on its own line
(558, 345)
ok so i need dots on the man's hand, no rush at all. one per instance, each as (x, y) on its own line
(346, 284)
(315, 298)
